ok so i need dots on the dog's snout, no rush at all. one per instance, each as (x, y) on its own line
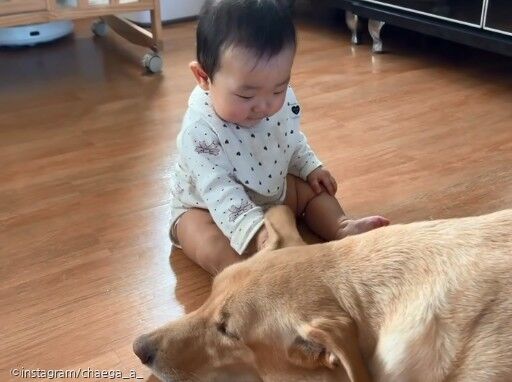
(145, 349)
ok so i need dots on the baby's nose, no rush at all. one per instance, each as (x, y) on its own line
(262, 107)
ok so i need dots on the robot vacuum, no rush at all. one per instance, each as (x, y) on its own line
(34, 34)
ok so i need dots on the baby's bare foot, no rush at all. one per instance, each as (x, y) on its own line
(354, 227)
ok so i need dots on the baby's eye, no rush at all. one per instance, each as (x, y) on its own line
(244, 97)
(280, 92)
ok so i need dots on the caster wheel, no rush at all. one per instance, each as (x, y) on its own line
(99, 28)
(152, 62)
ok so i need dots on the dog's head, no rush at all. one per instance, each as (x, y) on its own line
(270, 318)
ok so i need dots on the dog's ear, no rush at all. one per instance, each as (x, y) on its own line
(330, 343)
(282, 229)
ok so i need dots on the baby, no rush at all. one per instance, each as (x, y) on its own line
(240, 149)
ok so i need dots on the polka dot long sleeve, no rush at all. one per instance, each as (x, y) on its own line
(220, 192)
(303, 160)
(236, 172)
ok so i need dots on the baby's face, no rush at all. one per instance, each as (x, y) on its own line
(247, 89)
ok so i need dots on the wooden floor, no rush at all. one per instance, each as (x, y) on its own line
(86, 146)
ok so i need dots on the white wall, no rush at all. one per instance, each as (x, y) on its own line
(171, 10)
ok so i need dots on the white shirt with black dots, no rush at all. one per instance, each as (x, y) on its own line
(234, 172)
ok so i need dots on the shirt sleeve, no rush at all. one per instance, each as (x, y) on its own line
(303, 160)
(226, 199)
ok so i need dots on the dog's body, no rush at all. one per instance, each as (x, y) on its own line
(429, 301)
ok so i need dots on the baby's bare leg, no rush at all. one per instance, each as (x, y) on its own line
(204, 243)
(323, 213)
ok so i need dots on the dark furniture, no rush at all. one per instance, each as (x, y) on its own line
(485, 24)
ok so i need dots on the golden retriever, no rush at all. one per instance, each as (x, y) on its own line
(428, 301)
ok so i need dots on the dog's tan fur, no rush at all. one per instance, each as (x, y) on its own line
(428, 301)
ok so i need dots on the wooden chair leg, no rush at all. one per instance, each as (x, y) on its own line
(156, 25)
(130, 31)
(136, 34)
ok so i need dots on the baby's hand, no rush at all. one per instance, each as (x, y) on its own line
(321, 177)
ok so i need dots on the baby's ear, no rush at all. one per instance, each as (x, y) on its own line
(282, 228)
(200, 75)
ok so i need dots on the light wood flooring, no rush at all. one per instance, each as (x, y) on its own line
(86, 146)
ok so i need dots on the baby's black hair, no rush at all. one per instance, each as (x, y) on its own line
(264, 27)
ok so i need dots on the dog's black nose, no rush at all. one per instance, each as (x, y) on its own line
(144, 348)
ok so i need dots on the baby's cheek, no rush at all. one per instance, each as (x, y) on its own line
(278, 105)
(231, 112)
(237, 113)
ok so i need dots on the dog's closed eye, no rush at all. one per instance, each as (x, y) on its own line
(222, 328)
